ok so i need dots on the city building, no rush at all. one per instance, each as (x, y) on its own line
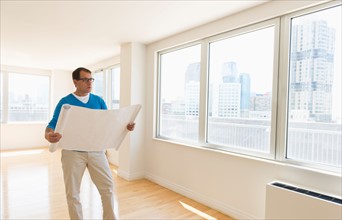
(311, 88)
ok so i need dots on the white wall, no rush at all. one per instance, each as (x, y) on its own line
(20, 136)
(231, 183)
(31, 135)
(105, 63)
(132, 88)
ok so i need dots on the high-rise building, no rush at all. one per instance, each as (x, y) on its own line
(245, 82)
(193, 72)
(229, 100)
(229, 72)
(312, 64)
(192, 89)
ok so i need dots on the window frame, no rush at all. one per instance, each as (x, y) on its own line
(280, 89)
(240, 31)
(204, 85)
(283, 93)
(158, 94)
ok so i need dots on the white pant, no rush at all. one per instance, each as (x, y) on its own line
(74, 164)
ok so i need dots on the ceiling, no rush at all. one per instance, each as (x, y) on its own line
(66, 34)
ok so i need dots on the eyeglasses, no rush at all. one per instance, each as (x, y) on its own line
(87, 79)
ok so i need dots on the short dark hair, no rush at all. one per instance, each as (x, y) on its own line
(76, 72)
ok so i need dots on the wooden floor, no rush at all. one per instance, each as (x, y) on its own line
(32, 188)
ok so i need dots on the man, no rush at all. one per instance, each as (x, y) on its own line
(74, 163)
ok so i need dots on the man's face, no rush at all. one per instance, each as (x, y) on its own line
(83, 85)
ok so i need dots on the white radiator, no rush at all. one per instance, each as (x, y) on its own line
(285, 201)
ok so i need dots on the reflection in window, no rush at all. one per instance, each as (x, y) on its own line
(28, 97)
(179, 94)
(314, 111)
(240, 90)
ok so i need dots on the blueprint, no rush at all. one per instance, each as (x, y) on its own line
(87, 129)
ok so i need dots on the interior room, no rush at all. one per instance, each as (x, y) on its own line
(241, 102)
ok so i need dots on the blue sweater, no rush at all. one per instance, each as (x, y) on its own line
(94, 102)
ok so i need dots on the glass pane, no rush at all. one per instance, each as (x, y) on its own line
(115, 76)
(179, 94)
(240, 91)
(28, 97)
(314, 111)
(98, 84)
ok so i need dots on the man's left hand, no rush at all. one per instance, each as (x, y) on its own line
(130, 126)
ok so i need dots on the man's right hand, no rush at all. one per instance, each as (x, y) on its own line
(51, 136)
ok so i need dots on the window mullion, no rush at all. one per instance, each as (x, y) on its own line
(275, 97)
(283, 89)
(203, 93)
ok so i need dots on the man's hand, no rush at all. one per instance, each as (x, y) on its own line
(130, 126)
(51, 136)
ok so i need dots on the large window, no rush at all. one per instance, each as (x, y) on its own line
(240, 90)
(107, 85)
(25, 98)
(314, 103)
(266, 90)
(179, 93)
